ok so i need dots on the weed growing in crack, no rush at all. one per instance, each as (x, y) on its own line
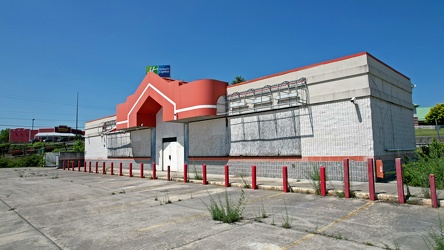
(166, 198)
(55, 175)
(228, 211)
(435, 238)
(272, 220)
(314, 176)
(244, 182)
(262, 214)
(286, 221)
(340, 194)
(197, 176)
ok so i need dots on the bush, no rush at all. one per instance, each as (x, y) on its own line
(4, 148)
(79, 146)
(19, 162)
(4, 162)
(428, 161)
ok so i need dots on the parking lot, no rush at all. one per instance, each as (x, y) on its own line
(47, 208)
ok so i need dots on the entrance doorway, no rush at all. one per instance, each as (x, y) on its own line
(169, 153)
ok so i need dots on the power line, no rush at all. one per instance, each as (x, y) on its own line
(52, 102)
(28, 126)
(40, 119)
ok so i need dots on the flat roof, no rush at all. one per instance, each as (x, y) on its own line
(54, 134)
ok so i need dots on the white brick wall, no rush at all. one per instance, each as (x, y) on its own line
(209, 138)
(266, 134)
(141, 143)
(134, 143)
(393, 127)
(95, 148)
(337, 129)
(95, 144)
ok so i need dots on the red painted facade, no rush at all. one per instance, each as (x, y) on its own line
(20, 135)
(179, 100)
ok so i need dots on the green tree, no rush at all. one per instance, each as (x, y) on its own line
(436, 112)
(4, 136)
(238, 79)
(79, 146)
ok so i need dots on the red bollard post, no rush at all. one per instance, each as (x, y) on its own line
(120, 169)
(433, 191)
(371, 179)
(168, 173)
(346, 178)
(185, 173)
(64, 162)
(204, 174)
(97, 167)
(131, 169)
(73, 166)
(400, 184)
(284, 179)
(154, 171)
(78, 165)
(227, 176)
(103, 168)
(253, 177)
(112, 168)
(84, 166)
(323, 183)
(141, 170)
(89, 167)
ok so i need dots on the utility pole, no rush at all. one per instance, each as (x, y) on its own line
(437, 129)
(32, 127)
(77, 113)
(30, 132)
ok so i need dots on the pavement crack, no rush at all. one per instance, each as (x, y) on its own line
(323, 229)
(30, 224)
(201, 238)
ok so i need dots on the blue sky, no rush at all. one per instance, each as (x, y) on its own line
(50, 50)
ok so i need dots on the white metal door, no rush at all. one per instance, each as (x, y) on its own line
(169, 156)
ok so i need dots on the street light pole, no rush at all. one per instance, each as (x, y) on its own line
(32, 128)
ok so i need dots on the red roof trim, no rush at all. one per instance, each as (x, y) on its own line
(318, 64)
(100, 118)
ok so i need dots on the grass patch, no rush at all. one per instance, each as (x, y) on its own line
(262, 214)
(429, 132)
(286, 220)
(435, 238)
(55, 175)
(21, 161)
(314, 176)
(429, 160)
(165, 198)
(227, 211)
(244, 182)
(197, 175)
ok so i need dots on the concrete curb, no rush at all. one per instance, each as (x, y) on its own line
(334, 193)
